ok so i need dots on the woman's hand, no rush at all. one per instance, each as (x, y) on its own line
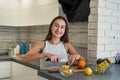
(53, 58)
(72, 58)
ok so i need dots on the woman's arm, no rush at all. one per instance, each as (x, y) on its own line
(34, 53)
(74, 55)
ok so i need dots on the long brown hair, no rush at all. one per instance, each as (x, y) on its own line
(65, 37)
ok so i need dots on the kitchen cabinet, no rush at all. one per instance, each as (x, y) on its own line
(22, 72)
(4, 70)
(31, 12)
(10, 70)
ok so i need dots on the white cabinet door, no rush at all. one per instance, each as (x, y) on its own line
(22, 72)
(4, 70)
(10, 70)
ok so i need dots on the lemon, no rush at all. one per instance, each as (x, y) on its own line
(88, 71)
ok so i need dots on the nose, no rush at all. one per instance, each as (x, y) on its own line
(59, 28)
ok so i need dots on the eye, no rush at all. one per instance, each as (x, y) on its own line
(56, 25)
(63, 27)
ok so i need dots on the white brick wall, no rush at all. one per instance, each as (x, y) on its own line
(111, 5)
(116, 27)
(104, 26)
(103, 54)
(118, 20)
(102, 18)
(100, 47)
(110, 47)
(102, 3)
(111, 19)
(107, 28)
(104, 11)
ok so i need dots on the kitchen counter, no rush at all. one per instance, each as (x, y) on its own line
(113, 73)
(34, 64)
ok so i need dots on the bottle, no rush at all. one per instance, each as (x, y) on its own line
(11, 49)
(30, 46)
(23, 48)
(17, 50)
(117, 58)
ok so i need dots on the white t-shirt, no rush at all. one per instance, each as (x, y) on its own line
(59, 50)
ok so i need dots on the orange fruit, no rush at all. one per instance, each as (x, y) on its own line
(82, 64)
(88, 71)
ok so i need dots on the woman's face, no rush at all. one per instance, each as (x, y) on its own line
(58, 28)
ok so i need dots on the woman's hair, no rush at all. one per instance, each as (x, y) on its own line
(65, 37)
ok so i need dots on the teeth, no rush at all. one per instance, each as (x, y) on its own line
(57, 33)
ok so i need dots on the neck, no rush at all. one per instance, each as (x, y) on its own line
(55, 41)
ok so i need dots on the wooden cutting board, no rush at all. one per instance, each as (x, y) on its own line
(74, 68)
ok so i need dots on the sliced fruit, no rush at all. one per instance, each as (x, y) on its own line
(68, 72)
(65, 66)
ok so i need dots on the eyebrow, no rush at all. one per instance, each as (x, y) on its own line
(58, 24)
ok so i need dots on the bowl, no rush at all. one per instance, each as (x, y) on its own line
(66, 72)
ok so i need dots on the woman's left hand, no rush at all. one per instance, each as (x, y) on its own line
(72, 58)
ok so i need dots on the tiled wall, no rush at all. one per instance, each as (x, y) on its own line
(7, 34)
(77, 35)
(12, 34)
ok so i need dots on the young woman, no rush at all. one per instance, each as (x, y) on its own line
(55, 47)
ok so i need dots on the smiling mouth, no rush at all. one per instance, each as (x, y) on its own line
(58, 33)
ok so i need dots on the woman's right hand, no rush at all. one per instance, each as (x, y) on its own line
(53, 58)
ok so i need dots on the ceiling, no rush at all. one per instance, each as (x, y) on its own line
(24, 4)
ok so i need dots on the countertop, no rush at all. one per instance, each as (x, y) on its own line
(34, 64)
(113, 73)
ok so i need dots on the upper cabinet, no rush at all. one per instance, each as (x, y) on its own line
(27, 12)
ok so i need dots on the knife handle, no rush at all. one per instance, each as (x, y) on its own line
(48, 59)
